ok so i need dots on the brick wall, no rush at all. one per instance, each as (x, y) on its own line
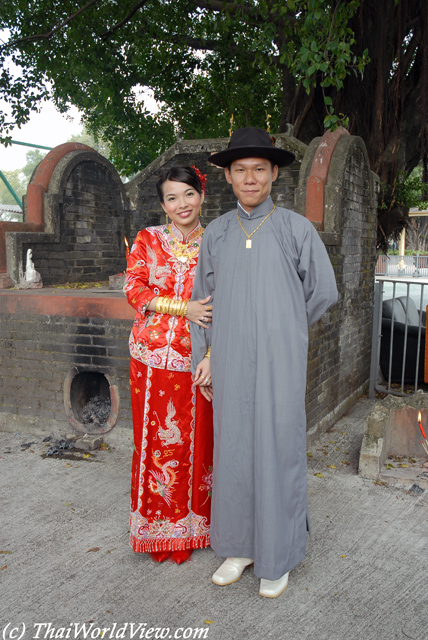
(39, 352)
(340, 343)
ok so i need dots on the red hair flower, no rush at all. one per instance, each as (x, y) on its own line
(202, 178)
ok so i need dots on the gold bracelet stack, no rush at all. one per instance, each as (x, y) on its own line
(208, 353)
(171, 307)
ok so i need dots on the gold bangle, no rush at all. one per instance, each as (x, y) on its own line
(208, 353)
(159, 304)
(162, 305)
(168, 306)
(173, 308)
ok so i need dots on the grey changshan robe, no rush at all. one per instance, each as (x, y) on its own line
(264, 299)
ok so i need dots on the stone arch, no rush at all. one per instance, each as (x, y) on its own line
(79, 198)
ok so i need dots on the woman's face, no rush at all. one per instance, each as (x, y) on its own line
(182, 203)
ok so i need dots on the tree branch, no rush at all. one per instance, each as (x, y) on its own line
(49, 34)
(218, 5)
(194, 43)
(240, 9)
(301, 117)
(127, 18)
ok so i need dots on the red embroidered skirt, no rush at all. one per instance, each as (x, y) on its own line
(172, 461)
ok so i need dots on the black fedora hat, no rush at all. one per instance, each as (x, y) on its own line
(251, 142)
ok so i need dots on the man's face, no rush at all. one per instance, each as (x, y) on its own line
(251, 180)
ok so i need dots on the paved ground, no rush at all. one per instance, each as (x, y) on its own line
(65, 557)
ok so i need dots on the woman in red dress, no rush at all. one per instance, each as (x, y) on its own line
(172, 416)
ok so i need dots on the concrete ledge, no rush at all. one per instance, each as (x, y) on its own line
(87, 303)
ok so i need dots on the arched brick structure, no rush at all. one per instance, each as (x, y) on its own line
(77, 210)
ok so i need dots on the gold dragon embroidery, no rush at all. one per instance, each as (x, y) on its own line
(172, 434)
(157, 275)
(163, 481)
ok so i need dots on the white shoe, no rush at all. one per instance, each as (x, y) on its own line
(273, 588)
(231, 570)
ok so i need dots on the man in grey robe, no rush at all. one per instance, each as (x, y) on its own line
(269, 277)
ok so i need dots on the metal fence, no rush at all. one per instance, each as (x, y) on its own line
(415, 266)
(398, 339)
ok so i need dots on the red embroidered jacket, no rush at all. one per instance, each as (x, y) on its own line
(156, 267)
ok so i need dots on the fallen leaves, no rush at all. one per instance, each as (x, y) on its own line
(82, 285)
(5, 552)
(319, 475)
(93, 549)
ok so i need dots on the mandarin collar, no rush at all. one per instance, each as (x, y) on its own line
(179, 235)
(258, 212)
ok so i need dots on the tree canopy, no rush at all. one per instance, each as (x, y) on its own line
(310, 64)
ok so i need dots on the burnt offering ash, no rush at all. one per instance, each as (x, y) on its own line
(90, 401)
(96, 411)
(59, 447)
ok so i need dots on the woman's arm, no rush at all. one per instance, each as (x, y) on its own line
(136, 287)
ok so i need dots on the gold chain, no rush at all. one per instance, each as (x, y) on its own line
(248, 242)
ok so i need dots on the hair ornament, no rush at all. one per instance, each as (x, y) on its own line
(202, 178)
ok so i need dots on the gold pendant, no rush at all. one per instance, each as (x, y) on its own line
(248, 244)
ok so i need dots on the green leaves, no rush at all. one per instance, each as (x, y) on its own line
(291, 58)
(202, 64)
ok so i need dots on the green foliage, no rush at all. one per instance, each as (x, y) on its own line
(86, 137)
(18, 184)
(313, 63)
(19, 179)
(204, 61)
(408, 252)
(34, 158)
(410, 190)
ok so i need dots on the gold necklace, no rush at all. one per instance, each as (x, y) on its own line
(183, 252)
(248, 242)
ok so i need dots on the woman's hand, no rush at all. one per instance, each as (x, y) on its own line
(198, 311)
(202, 378)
